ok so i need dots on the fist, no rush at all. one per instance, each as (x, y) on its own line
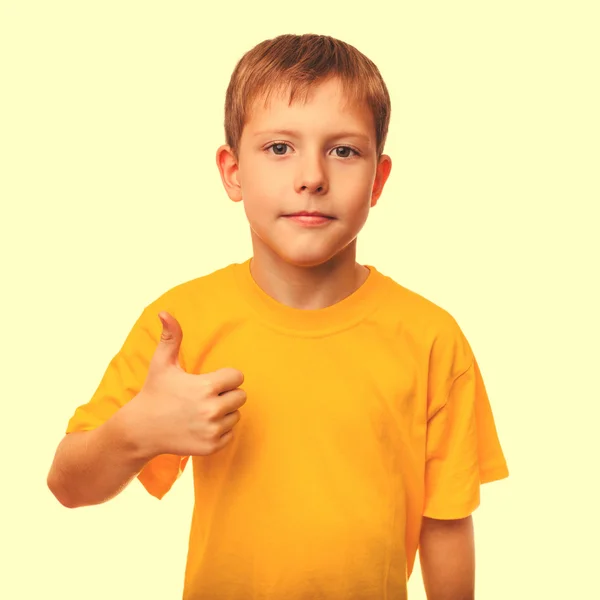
(182, 413)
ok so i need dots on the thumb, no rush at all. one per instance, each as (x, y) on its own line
(170, 339)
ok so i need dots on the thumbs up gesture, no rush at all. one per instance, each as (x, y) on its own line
(182, 413)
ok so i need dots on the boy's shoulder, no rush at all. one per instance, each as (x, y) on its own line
(428, 324)
(413, 307)
(212, 289)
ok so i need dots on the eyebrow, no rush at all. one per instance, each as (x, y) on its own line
(297, 134)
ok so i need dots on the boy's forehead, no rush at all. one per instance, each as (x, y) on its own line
(330, 93)
(328, 100)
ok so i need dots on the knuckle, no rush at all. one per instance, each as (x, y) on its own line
(211, 414)
(214, 432)
(208, 387)
(215, 445)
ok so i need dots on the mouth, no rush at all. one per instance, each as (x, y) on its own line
(308, 215)
(310, 219)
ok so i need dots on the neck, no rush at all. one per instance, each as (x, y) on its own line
(312, 287)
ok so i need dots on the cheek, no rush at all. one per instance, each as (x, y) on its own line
(352, 182)
(264, 197)
(358, 197)
(257, 179)
(262, 203)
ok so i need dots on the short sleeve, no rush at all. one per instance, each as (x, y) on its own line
(463, 449)
(123, 379)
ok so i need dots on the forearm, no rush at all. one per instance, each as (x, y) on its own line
(91, 467)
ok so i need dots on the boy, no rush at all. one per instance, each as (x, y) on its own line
(337, 420)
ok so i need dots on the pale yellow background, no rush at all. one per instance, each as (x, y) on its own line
(111, 114)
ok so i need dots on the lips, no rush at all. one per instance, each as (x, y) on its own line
(309, 214)
(304, 220)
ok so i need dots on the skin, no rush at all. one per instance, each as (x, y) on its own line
(307, 268)
(447, 557)
(312, 268)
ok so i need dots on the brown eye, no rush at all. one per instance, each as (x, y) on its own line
(344, 148)
(280, 146)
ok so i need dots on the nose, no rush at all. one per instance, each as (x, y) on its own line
(311, 175)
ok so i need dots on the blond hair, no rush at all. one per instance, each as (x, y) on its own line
(297, 62)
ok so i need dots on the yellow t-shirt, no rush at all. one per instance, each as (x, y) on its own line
(360, 418)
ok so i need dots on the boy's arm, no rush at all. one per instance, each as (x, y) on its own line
(447, 557)
(91, 467)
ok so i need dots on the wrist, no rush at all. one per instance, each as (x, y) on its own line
(134, 434)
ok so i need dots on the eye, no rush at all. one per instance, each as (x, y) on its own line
(277, 145)
(346, 148)
(281, 146)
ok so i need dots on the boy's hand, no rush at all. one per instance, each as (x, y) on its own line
(182, 413)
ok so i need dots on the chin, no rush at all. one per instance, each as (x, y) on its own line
(307, 264)
(300, 255)
(307, 260)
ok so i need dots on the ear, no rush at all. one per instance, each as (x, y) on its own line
(229, 171)
(383, 172)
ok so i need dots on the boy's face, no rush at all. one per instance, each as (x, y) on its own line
(328, 164)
